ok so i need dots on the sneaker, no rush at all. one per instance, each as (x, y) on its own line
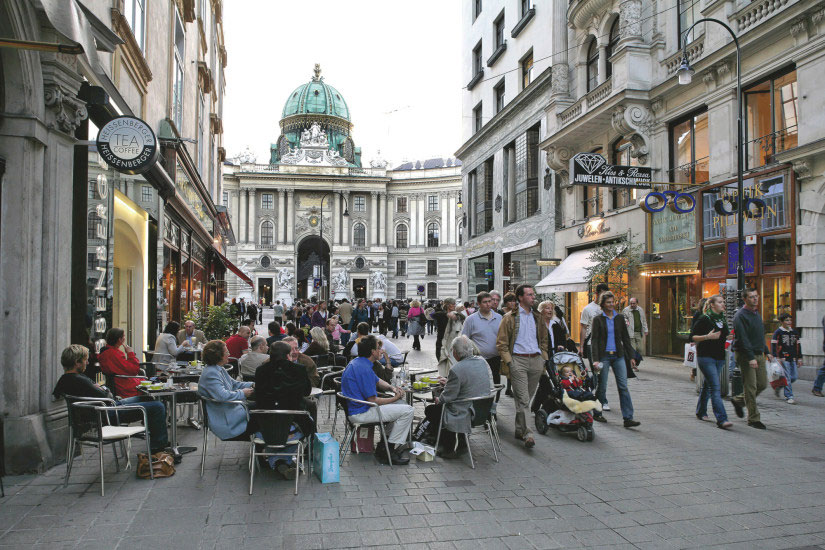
(758, 425)
(529, 442)
(725, 425)
(600, 418)
(630, 423)
(287, 471)
(738, 408)
(605, 407)
(817, 393)
(790, 401)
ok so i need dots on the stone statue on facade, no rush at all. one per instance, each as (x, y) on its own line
(341, 281)
(379, 282)
(285, 277)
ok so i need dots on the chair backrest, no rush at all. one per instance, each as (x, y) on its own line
(480, 408)
(321, 361)
(248, 377)
(232, 367)
(85, 421)
(275, 425)
(150, 369)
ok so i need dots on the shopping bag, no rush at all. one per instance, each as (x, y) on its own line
(776, 374)
(325, 458)
(690, 356)
(364, 440)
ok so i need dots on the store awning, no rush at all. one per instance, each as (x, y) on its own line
(233, 268)
(569, 276)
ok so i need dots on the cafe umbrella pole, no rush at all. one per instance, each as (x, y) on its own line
(685, 73)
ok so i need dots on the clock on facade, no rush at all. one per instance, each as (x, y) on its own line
(313, 221)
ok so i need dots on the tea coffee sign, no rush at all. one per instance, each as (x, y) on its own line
(128, 145)
(592, 169)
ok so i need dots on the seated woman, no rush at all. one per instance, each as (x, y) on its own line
(319, 344)
(226, 420)
(283, 384)
(166, 346)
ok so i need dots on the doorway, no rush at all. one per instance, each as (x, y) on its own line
(313, 263)
(359, 289)
(670, 314)
(265, 290)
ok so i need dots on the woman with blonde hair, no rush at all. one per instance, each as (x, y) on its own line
(319, 344)
(710, 332)
(415, 323)
(555, 329)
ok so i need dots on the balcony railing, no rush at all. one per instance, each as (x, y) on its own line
(586, 103)
(696, 172)
(267, 246)
(762, 150)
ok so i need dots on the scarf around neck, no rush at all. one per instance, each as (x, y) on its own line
(717, 318)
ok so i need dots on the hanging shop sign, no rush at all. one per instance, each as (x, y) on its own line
(671, 231)
(128, 145)
(592, 169)
(767, 200)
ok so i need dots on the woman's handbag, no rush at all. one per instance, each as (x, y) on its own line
(163, 465)
(690, 356)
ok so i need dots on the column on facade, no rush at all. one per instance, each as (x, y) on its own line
(236, 212)
(290, 214)
(445, 220)
(384, 229)
(336, 217)
(560, 68)
(510, 215)
(373, 218)
(412, 235)
(602, 63)
(451, 219)
(282, 216)
(278, 219)
(390, 216)
(422, 229)
(242, 224)
(345, 231)
(253, 198)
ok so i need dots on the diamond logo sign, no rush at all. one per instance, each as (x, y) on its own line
(592, 169)
(590, 161)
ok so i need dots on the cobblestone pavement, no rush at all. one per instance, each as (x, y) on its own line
(674, 482)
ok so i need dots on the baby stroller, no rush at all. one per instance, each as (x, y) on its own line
(549, 406)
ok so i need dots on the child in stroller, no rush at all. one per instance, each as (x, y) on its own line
(564, 399)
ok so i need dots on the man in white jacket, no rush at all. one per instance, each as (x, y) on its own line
(636, 324)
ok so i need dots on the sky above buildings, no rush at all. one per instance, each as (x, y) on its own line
(397, 64)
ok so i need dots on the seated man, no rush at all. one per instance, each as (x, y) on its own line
(303, 359)
(275, 334)
(238, 343)
(74, 383)
(256, 357)
(118, 358)
(469, 377)
(360, 382)
(189, 334)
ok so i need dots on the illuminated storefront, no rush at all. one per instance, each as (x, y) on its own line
(769, 251)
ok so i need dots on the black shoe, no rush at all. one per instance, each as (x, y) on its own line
(630, 423)
(399, 458)
(758, 425)
(177, 457)
(738, 408)
(599, 418)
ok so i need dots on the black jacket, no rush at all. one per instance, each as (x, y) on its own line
(559, 338)
(282, 385)
(598, 340)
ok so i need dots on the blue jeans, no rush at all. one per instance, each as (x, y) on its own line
(712, 388)
(620, 373)
(156, 418)
(791, 374)
(393, 361)
(820, 378)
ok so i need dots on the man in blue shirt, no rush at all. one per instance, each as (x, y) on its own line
(359, 381)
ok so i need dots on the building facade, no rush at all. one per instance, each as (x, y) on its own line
(315, 223)
(508, 207)
(111, 249)
(613, 90)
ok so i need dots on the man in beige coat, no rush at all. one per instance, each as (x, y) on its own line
(522, 345)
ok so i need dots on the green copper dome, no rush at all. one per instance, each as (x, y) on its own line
(316, 103)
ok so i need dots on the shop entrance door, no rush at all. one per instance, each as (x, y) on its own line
(359, 289)
(670, 328)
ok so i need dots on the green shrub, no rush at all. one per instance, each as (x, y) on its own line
(216, 322)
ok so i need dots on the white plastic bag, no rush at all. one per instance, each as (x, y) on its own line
(775, 371)
(560, 417)
(690, 356)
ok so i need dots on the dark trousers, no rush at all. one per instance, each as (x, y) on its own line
(416, 342)
(495, 367)
(155, 417)
(394, 326)
(433, 414)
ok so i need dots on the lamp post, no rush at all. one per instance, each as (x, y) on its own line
(685, 73)
(321, 241)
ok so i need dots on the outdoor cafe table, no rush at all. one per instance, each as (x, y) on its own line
(171, 395)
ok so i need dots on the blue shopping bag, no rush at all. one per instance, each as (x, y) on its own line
(325, 458)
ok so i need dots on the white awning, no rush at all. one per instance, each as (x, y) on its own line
(569, 276)
(522, 246)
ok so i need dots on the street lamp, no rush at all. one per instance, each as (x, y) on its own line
(321, 235)
(685, 73)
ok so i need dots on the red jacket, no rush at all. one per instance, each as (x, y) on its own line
(112, 361)
(236, 344)
(571, 383)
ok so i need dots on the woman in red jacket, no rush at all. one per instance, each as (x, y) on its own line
(118, 358)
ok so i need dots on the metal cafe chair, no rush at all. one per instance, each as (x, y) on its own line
(328, 387)
(352, 426)
(87, 427)
(482, 417)
(274, 426)
(203, 401)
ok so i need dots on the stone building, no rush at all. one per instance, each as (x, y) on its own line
(85, 247)
(508, 205)
(314, 222)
